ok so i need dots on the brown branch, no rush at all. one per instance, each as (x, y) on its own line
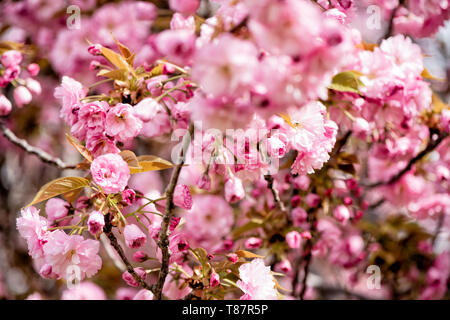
(164, 233)
(275, 194)
(307, 252)
(41, 154)
(432, 144)
(107, 229)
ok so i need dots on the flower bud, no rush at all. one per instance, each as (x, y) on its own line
(5, 106)
(285, 266)
(204, 182)
(306, 235)
(11, 58)
(214, 280)
(293, 239)
(128, 196)
(134, 237)
(140, 256)
(56, 209)
(233, 257)
(253, 243)
(296, 200)
(96, 222)
(312, 200)
(95, 49)
(22, 96)
(33, 69)
(129, 279)
(234, 190)
(186, 7)
(341, 214)
(33, 85)
(299, 216)
(174, 223)
(182, 197)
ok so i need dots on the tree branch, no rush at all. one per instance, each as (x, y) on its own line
(275, 194)
(41, 154)
(164, 233)
(107, 229)
(432, 144)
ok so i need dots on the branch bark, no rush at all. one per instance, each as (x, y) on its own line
(41, 154)
(432, 144)
(164, 233)
(107, 229)
(275, 194)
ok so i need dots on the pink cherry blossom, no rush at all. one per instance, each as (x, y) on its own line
(110, 172)
(256, 281)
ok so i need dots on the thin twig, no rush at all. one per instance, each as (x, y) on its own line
(41, 154)
(164, 233)
(275, 194)
(432, 144)
(107, 229)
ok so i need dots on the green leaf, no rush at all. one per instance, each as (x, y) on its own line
(347, 81)
(57, 187)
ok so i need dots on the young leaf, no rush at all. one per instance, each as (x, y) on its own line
(59, 186)
(150, 163)
(130, 158)
(347, 81)
(81, 149)
(118, 74)
(247, 254)
(287, 118)
(116, 59)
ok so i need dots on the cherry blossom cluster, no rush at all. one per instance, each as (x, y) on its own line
(294, 147)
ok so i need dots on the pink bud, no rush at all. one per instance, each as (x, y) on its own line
(174, 223)
(306, 235)
(33, 85)
(128, 278)
(214, 280)
(134, 237)
(351, 184)
(293, 239)
(312, 200)
(234, 190)
(227, 244)
(96, 222)
(299, 216)
(182, 196)
(140, 256)
(186, 7)
(348, 201)
(22, 96)
(5, 105)
(341, 214)
(285, 266)
(204, 182)
(233, 257)
(11, 58)
(301, 182)
(11, 73)
(95, 49)
(295, 201)
(128, 196)
(56, 209)
(253, 243)
(33, 69)
(94, 65)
